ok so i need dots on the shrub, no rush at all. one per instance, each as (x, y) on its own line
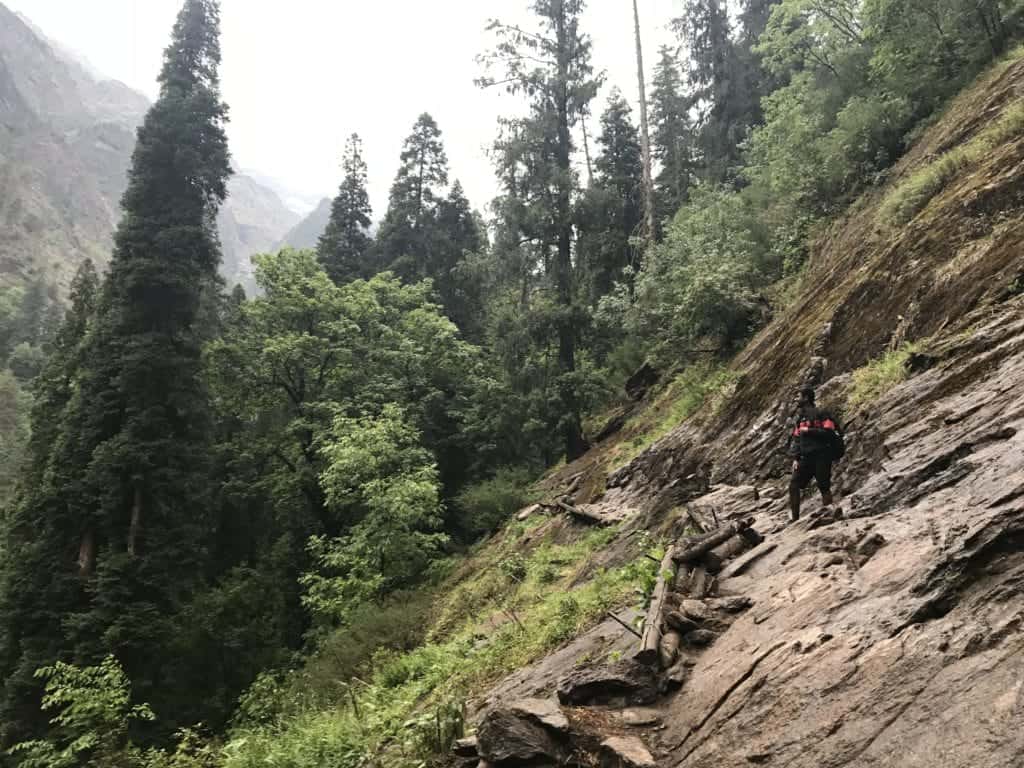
(481, 508)
(878, 376)
(911, 196)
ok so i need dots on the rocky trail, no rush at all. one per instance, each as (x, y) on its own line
(887, 635)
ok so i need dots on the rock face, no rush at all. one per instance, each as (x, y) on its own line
(888, 636)
(66, 140)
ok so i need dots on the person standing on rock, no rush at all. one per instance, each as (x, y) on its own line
(815, 443)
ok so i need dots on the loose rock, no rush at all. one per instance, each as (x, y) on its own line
(506, 736)
(700, 638)
(627, 680)
(640, 717)
(466, 747)
(543, 712)
(626, 752)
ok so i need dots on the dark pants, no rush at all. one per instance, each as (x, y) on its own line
(816, 467)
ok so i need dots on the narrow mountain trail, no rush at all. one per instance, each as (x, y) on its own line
(888, 634)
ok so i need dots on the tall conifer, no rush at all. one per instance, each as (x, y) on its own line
(345, 244)
(125, 514)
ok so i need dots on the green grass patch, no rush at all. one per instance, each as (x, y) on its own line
(912, 195)
(699, 385)
(880, 375)
(408, 705)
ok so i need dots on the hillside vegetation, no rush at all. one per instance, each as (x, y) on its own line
(431, 472)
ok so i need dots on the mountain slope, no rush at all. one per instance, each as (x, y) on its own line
(66, 140)
(306, 234)
(888, 636)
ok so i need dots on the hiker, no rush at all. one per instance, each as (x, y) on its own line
(815, 443)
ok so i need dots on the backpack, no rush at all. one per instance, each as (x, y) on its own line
(838, 445)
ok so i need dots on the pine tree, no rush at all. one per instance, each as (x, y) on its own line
(345, 244)
(458, 288)
(39, 525)
(614, 206)
(716, 86)
(409, 227)
(552, 68)
(673, 135)
(128, 490)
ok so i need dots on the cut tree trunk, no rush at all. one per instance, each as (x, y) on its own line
(696, 550)
(651, 640)
(582, 514)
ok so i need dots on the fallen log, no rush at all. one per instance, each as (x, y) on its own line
(651, 640)
(716, 559)
(701, 583)
(705, 544)
(680, 623)
(582, 514)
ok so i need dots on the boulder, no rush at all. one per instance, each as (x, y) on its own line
(628, 680)
(700, 638)
(543, 712)
(695, 610)
(466, 747)
(626, 752)
(680, 623)
(640, 717)
(509, 737)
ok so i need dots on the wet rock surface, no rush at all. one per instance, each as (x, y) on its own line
(888, 636)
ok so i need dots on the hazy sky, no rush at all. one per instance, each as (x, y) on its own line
(299, 76)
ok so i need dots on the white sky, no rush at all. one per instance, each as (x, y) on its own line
(300, 76)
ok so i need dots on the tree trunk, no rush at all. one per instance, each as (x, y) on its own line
(650, 643)
(87, 555)
(645, 136)
(586, 154)
(574, 443)
(705, 544)
(136, 522)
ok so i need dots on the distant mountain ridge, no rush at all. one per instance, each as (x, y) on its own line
(66, 139)
(307, 232)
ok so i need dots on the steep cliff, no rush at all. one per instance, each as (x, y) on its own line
(886, 634)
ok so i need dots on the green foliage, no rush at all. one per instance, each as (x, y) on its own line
(482, 507)
(93, 714)
(411, 703)
(125, 475)
(914, 193)
(698, 386)
(14, 433)
(698, 287)
(879, 376)
(384, 486)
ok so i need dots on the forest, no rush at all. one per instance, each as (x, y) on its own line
(226, 517)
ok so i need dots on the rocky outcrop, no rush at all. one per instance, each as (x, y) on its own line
(887, 633)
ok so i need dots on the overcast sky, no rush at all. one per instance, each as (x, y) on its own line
(299, 76)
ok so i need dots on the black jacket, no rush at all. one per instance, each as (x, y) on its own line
(815, 431)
